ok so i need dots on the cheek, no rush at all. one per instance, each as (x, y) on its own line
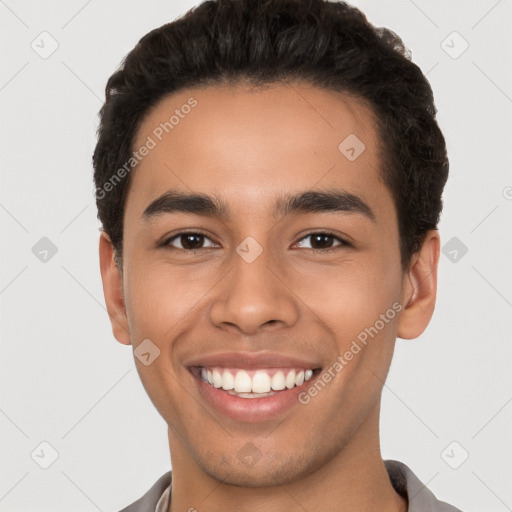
(351, 296)
(160, 296)
(359, 303)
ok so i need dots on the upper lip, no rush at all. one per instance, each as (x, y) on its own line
(250, 360)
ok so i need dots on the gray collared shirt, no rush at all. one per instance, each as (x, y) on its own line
(404, 481)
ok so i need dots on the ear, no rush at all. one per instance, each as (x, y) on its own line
(113, 291)
(420, 288)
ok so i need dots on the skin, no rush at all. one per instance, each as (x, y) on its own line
(250, 147)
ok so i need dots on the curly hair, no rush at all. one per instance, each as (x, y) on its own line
(330, 45)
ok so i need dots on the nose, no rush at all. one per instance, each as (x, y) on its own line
(254, 296)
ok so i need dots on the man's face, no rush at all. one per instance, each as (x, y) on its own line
(262, 287)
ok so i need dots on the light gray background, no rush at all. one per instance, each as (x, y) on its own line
(66, 381)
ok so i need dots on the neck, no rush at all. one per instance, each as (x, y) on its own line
(355, 480)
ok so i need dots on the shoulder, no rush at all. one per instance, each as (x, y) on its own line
(420, 498)
(148, 502)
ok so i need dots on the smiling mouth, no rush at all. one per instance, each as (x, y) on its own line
(255, 383)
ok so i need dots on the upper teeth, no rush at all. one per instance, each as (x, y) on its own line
(262, 381)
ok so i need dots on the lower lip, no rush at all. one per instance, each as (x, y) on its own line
(250, 410)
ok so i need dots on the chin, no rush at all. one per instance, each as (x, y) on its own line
(267, 471)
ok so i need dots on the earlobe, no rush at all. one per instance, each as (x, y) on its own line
(113, 290)
(420, 288)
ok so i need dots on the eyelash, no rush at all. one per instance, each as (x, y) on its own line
(343, 243)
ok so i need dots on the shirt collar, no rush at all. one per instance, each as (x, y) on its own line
(163, 502)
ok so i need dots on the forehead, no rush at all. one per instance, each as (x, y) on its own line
(252, 145)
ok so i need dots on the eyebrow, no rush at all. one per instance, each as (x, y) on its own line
(176, 202)
(310, 201)
(314, 201)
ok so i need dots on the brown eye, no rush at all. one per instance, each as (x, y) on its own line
(322, 241)
(189, 241)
